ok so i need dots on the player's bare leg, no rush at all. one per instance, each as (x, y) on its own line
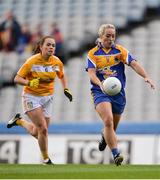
(102, 143)
(37, 128)
(105, 112)
(104, 109)
(17, 120)
(38, 119)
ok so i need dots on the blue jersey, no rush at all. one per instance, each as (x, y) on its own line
(109, 63)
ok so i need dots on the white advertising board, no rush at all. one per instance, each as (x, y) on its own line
(78, 149)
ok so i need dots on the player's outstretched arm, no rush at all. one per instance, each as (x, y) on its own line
(141, 71)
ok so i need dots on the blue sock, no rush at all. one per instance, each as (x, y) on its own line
(115, 152)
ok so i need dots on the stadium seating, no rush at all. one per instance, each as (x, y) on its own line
(75, 17)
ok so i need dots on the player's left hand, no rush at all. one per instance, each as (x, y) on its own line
(68, 94)
(149, 81)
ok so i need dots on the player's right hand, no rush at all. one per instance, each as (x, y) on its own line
(101, 87)
(34, 83)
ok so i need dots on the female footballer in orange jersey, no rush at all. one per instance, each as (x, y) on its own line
(37, 75)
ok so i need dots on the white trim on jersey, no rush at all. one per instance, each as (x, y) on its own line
(92, 62)
(40, 68)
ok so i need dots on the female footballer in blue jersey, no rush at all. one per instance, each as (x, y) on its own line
(105, 60)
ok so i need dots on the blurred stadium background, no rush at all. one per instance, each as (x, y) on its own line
(138, 28)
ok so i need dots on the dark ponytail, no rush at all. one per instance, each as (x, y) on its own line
(37, 48)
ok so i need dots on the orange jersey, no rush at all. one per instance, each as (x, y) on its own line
(37, 67)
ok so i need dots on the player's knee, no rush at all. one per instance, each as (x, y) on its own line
(34, 132)
(35, 135)
(108, 122)
(42, 129)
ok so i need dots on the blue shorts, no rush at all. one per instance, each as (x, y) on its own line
(118, 101)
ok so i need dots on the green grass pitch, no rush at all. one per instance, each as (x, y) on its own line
(72, 171)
